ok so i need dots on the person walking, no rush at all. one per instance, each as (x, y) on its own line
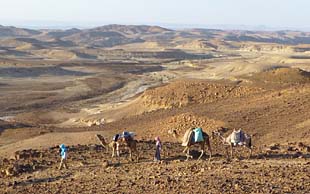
(116, 144)
(158, 149)
(64, 155)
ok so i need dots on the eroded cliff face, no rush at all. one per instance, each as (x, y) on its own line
(182, 93)
(273, 48)
(283, 75)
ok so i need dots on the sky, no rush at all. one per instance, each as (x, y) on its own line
(178, 13)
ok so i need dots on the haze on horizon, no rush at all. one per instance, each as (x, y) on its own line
(278, 14)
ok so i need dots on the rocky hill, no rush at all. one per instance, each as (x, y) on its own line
(283, 75)
(186, 92)
(10, 31)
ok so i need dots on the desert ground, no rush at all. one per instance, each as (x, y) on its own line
(66, 86)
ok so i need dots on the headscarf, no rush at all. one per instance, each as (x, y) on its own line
(158, 142)
(157, 139)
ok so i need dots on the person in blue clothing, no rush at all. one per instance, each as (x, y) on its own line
(64, 155)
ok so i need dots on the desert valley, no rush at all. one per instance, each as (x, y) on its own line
(66, 86)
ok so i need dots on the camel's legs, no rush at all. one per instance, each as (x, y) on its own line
(113, 151)
(117, 151)
(226, 150)
(250, 152)
(209, 147)
(130, 154)
(136, 152)
(137, 155)
(202, 152)
(187, 154)
(202, 147)
(186, 150)
(231, 151)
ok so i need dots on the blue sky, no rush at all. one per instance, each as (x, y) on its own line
(272, 13)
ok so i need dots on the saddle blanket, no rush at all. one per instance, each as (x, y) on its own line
(198, 135)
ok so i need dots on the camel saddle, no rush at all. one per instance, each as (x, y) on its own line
(237, 137)
(188, 137)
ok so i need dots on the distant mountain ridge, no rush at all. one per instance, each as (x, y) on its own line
(10, 31)
(86, 43)
(114, 34)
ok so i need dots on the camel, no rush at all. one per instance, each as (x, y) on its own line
(228, 141)
(206, 141)
(112, 145)
(131, 144)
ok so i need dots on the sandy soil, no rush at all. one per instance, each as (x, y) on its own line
(275, 112)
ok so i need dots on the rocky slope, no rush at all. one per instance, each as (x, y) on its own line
(92, 171)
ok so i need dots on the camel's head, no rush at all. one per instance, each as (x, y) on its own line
(174, 133)
(218, 132)
(215, 133)
(100, 137)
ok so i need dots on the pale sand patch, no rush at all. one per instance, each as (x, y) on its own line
(304, 124)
